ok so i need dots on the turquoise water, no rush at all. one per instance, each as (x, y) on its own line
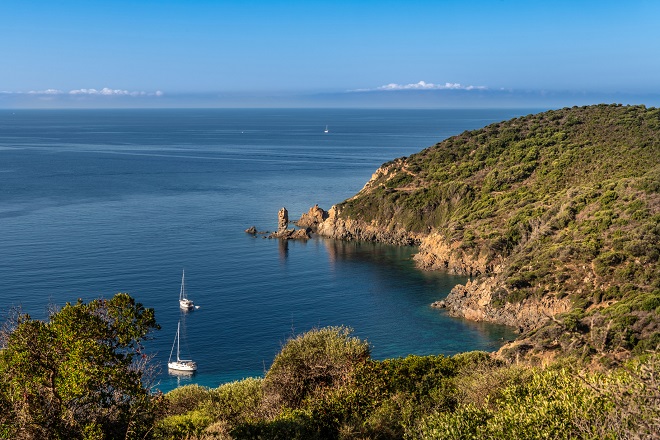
(98, 202)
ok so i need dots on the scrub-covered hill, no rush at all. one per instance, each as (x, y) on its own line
(555, 216)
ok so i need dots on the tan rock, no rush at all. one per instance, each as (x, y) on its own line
(282, 220)
(312, 218)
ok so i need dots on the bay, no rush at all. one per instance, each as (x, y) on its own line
(94, 202)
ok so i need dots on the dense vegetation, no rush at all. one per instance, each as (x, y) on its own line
(564, 203)
(323, 385)
(78, 375)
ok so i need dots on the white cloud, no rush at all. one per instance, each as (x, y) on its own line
(106, 91)
(45, 92)
(423, 85)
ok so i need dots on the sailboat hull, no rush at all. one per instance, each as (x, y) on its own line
(181, 365)
(186, 304)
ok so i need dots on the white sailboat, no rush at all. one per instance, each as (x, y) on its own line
(184, 302)
(326, 129)
(185, 365)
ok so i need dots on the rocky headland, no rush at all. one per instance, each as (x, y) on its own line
(553, 216)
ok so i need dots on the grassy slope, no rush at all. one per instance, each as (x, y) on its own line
(570, 200)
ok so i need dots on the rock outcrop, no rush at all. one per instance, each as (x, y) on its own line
(292, 234)
(282, 220)
(348, 229)
(435, 254)
(475, 301)
(283, 230)
(312, 218)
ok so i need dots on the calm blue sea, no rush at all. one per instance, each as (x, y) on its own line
(94, 202)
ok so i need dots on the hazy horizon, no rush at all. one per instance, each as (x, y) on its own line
(390, 54)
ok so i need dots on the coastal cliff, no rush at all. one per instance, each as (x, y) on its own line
(554, 216)
(349, 229)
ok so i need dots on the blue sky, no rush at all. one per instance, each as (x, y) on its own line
(415, 53)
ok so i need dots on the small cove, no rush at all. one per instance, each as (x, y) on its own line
(99, 202)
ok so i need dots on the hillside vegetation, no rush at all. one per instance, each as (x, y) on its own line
(82, 375)
(323, 385)
(560, 207)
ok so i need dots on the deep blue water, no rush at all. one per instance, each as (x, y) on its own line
(104, 201)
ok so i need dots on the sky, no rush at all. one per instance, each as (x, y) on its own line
(341, 53)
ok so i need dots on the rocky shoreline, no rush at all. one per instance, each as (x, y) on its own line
(473, 301)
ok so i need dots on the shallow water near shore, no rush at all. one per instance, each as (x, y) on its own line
(98, 202)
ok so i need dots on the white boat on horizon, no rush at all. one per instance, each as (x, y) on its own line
(184, 302)
(326, 130)
(180, 365)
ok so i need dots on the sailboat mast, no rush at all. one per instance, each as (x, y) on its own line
(177, 341)
(182, 292)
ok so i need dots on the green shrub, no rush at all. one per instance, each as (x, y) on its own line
(186, 398)
(288, 425)
(558, 404)
(312, 362)
(181, 426)
(236, 402)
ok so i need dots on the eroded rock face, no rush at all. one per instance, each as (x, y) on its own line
(283, 230)
(313, 218)
(282, 220)
(474, 301)
(435, 254)
(348, 229)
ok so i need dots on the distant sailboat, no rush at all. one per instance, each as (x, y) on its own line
(185, 365)
(184, 302)
(326, 129)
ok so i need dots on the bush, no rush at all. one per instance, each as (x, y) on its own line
(194, 409)
(182, 426)
(236, 402)
(78, 375)
(186, 398)
(314, 361)
(558, 403)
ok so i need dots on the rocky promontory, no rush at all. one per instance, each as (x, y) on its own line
(554, 217)
(348, 229)
(474, 301)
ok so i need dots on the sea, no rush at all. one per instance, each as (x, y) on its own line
(95, 202)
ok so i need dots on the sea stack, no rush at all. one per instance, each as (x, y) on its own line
(282, 220)
(284, 232)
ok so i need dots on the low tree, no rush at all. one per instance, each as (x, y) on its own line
(313, 362)
(79, 374)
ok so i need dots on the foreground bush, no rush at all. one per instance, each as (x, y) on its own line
(79, 374)
(198, 411)
(314, 362)
(469, 395)
(559, 404)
